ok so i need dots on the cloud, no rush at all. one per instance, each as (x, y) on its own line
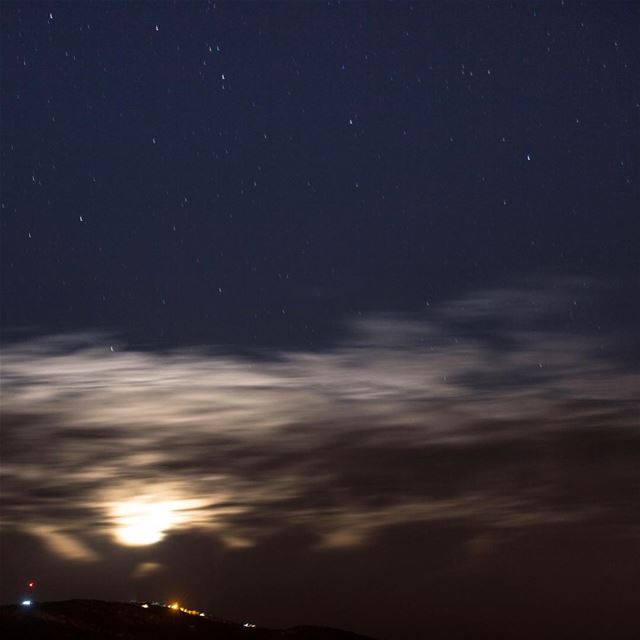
(145, 569)
(495, 410)
(63, 544)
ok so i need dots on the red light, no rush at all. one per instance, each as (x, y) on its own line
(31, 584)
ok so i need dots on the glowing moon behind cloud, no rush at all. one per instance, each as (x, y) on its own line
(145, 519)
(140, 523)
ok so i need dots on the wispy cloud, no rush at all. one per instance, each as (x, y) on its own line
(493, 409)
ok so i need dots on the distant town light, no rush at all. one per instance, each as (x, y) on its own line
(249, 625)
(145, 606)
(26, 603)
(202, 615)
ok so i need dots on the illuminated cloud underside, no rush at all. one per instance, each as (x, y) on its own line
(407, 420)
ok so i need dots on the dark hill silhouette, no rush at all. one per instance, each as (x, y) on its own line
(72, 619)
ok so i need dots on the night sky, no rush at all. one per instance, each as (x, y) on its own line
(322, 312)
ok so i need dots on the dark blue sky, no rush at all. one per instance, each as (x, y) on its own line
(254, 174)
(325, 312)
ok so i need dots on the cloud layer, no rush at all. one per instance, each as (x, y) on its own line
(493, 411)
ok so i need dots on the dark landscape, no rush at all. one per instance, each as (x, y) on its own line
(100, 619)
